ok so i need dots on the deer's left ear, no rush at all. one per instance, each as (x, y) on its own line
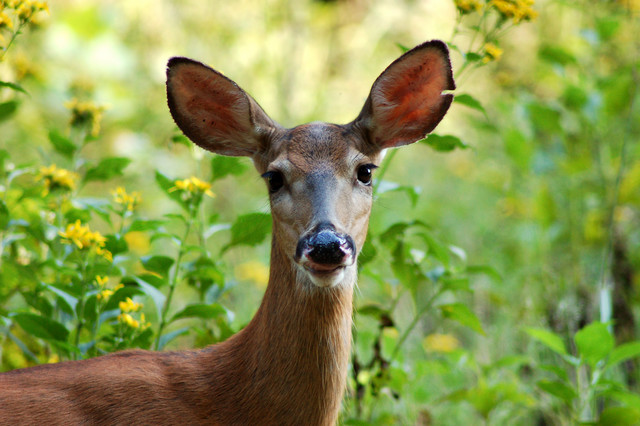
(407, 101)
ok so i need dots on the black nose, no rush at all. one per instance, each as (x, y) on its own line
(325, 246)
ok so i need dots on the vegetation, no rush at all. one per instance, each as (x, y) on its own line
(500, 279)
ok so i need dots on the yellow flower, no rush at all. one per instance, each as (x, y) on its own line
(5, 21)
(55, 178)
(518, 10)
(102, 281)
(491, 53)
(104, 294)
(129, 305)
(82, 236)
(192, 186)
(85, 113)
(130, 201)
(468, 6)
(443, 343)
(128, 320)
(253, 271)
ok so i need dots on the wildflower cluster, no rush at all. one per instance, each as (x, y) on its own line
(468, 6)
(128, 201)
(14, 14)
(55, 178)
(491, 53)
(518, 10)
(103, 292)
(192, 188)
(83, 238)
(127, 307)
(85, 114)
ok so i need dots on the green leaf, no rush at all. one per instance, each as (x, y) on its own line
(145, 225)
(61, 144)
(200, 310)
(166, 338)
(249, 229)
(413, 192)
(487, 270)
(70, 300)
(594, 342)
(558, 389)
(445, 143)
(158, 264)
(167, 185)
(547, 338)
(4, 216)
(222, 166)
(372, 310)
(462, 314)
(41, 327)
(13, 86)
(620, 416)
(623, 353)
(7, 109)
(556, 55)
(181, 139)
(155, 294)
(469, 101)
(107, 168)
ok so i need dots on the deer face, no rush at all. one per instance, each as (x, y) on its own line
(318, 174)
(320, 190)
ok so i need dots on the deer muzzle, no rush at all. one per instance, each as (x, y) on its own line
(325, 253)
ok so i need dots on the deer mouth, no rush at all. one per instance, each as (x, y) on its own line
(325, 254)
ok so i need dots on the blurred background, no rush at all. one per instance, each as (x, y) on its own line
(529, 194)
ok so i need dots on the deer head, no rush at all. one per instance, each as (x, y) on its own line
(318, 174)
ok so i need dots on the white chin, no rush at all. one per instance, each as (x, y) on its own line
(327, 280)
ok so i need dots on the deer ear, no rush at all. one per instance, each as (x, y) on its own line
(406, 101)
(213, 111)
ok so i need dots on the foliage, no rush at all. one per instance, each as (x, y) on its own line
(532, 322)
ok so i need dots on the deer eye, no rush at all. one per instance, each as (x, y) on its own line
(364, 173)
(275, 181)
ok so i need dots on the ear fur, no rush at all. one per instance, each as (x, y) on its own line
(406, 101)
(213, 111)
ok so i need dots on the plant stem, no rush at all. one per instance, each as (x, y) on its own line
(383, 170)
(174, 281)
(427, 307)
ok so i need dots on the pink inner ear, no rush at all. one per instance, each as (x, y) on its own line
(408, 98)
(211, 108)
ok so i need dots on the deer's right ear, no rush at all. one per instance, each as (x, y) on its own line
(213, 111)
(407, 100)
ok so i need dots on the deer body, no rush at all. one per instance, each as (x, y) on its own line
(289, 365)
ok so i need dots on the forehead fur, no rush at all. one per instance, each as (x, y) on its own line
(309, 146)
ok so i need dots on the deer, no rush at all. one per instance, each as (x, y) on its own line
(289, 365)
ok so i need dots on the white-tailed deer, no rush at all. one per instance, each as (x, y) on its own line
(289, 365)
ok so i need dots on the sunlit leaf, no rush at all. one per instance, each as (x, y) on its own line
(201, 310)
(444, 143)
(249, 229)
(41, 326)
(107, 168)
(61, 144)
(558, 389)
(222, 166)
(547, 338)
(469, 101)
(13, 86)
(462, 314)
(594, 342)
(7, 109)
(623, 353)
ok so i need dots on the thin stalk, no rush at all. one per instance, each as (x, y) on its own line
(173, 283)
(426, 308)
(13, 37)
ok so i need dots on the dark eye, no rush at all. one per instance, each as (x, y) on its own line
(364, 173)
(275, 181)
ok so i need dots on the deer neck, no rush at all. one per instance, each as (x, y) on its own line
(292, 357)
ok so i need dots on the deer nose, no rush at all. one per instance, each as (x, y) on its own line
(324, 246)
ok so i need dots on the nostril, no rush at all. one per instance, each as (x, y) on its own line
(327, 247)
